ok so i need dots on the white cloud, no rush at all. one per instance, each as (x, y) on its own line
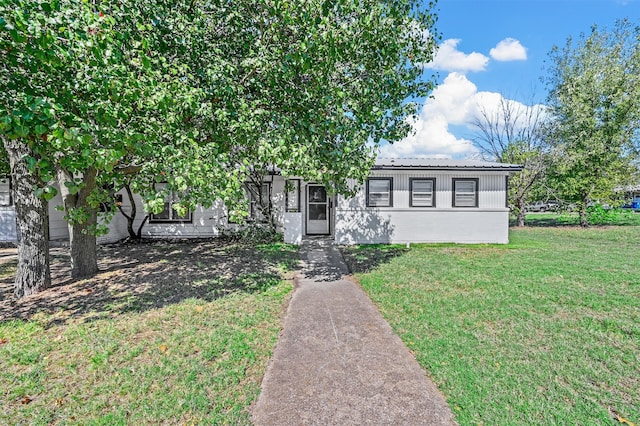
(509, 49)
(456, 101)
(449, 58)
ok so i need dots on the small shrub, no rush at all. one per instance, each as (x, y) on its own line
(598, 215)
(252, 234)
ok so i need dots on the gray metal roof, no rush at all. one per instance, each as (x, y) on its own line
(442, 164)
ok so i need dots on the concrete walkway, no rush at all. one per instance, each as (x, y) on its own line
(338, 362)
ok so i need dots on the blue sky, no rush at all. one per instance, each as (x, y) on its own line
(495, 49)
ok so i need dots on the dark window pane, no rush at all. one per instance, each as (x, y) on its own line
(317, 211)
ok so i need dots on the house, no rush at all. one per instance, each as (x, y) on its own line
(402, 201)
(631, 197)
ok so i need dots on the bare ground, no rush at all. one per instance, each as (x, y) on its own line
(147, 275)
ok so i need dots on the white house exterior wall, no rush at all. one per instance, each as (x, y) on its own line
(351, 221)
(488, 223)
(206, 222)
(58, 227)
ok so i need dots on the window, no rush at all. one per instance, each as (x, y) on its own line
(292, 188)
(465, 193)
(506, 191)
(380, 192)
(5, 192)
(258, 200)
(168, 214)
(422, 192)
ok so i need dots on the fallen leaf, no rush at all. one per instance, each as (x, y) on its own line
(199, 308)
(25, 400)
(625, 421)
(619, 418)
(88, 290)
(163, 348)
(3, 341)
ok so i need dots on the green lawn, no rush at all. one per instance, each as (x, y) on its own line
(545, 330)
(192, 360)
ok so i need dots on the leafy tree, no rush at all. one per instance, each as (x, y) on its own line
(76, 100)
(594, 99)
(196, 93)
(514, 133)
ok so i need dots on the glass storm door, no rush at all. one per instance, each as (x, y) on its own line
(317, 210)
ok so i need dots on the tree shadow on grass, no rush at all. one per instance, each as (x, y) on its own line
(366, 258)
(149, 275)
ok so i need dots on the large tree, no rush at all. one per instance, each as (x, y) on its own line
(75, 96)
(514, 133)
(594, 99)
(195, 93)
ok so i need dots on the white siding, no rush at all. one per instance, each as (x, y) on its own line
(206, 222)
(487, 223)
(7, 224)
(58, 227)
(351, 220)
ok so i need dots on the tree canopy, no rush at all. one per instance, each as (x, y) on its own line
(196, 93)
(594, 98)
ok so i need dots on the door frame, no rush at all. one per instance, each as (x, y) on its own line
(306, 210)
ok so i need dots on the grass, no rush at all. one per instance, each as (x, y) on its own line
(545, 330)
(197, 360)
(616, 218)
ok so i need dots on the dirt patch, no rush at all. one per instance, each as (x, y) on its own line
(148, 275)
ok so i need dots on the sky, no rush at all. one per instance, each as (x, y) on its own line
(493, 50)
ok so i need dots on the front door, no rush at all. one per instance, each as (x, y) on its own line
(317, 210)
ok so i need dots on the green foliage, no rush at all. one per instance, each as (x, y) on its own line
(594, 97)
(252, 234)
(196, 93)
(598, 215)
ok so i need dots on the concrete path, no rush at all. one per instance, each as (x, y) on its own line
(338, 362)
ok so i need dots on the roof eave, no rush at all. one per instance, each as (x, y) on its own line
(448, 168)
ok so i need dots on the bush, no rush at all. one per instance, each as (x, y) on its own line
(252, 234)
(598, 215)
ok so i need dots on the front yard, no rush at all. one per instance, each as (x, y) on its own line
(167, 333)
(545, 330)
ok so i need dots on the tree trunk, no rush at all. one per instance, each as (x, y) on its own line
(521, 212)
(583, 216)
(83, 242)
(32, 220)
(583, 212)
(82, 237)
(132, 217)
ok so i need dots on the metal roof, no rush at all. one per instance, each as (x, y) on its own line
(442, 164)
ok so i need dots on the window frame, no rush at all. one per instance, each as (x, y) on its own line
(368, 191)
(433, 191)
(476, 192)
(295, 190)
(9, 193)
(172, 196)
(506, 191)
